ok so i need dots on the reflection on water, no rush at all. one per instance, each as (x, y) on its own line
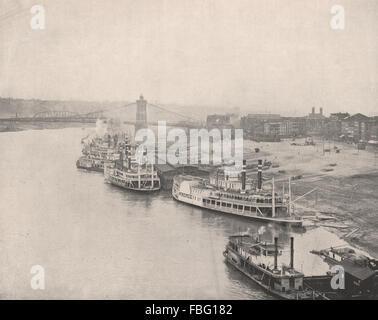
(98, 241)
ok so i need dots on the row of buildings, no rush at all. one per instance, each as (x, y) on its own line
(273, 127)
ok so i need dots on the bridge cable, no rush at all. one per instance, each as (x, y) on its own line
(110, 109)
(173, 112)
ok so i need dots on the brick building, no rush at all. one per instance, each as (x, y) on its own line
(355, 128)
(315, 122)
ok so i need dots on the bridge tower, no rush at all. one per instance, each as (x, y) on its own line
(141, 113)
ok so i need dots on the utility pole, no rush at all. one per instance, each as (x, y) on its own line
(289, 196)
(273, 200)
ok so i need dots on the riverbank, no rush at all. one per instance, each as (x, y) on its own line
(346, 182)
(345, 200)
(22, 126)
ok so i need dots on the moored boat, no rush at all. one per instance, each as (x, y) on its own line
(91, 164)
(99, 150)
(131, 175)
(236, 196)
(253, 258)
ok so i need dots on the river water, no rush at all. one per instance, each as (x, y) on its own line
(97, 241)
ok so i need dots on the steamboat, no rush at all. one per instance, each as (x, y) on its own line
(252, 257)
(100, 150)
(237, 196)
(130, 174)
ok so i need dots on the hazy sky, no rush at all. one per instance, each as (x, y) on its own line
(279, 56)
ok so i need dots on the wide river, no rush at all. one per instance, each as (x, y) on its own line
(97, 241)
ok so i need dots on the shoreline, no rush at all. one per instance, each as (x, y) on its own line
(345, 194)
(17, 127)
(344, 184)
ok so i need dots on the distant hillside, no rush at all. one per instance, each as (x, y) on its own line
(26, 108)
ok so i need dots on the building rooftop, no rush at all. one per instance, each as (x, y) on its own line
(263, 116)
(360, 273)
(357, 117)
(340, 115)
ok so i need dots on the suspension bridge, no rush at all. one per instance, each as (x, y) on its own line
(141, 119)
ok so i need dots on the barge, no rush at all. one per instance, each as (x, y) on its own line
(360, 274)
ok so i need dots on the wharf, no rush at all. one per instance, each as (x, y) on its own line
(167, 171)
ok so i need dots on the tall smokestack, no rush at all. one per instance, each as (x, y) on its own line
(129, 162)
(243, 175)
(121, 158)
(321, 111)
(275, 252)
(259, 175)
(292, 252)
(313, 110)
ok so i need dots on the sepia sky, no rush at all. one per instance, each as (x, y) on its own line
(278, 56)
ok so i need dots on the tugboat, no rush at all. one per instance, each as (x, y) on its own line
(132, 176)
(237, 196)
(253, 258)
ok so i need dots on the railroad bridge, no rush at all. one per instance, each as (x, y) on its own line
(140, 121)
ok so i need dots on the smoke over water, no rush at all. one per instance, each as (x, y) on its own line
(261, 230)
(101, 127)
(112, 126)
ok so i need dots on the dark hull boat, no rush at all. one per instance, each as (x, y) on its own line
(90, 164)
(360, 274)
(250, 257)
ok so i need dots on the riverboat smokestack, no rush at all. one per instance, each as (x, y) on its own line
(275, 252)
(121, 158)
(259, 175)
(292, 252)
(243, 175)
